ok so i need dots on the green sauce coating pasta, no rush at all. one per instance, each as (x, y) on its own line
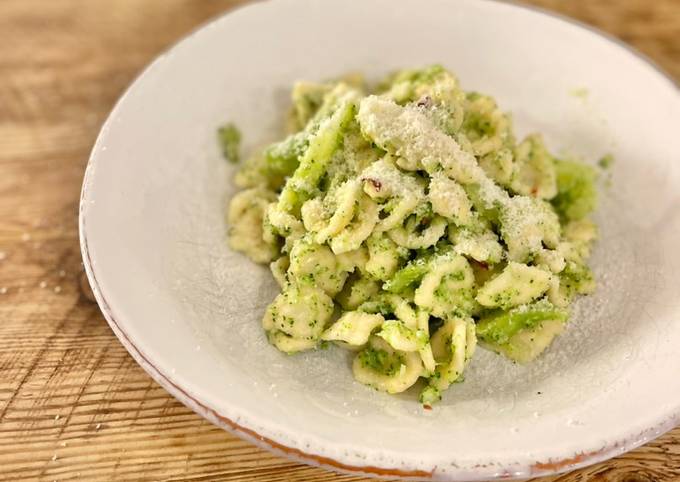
(406, 222)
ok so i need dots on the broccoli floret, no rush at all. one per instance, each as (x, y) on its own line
(576, 192)
(229, 138)
(499, 326)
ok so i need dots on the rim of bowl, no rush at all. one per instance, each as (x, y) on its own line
(488, 470)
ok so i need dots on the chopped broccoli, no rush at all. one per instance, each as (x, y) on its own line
(499, 326)
(606, 162)
(576, 191)
(229, 138)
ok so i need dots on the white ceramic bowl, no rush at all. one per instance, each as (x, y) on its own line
(188, 309)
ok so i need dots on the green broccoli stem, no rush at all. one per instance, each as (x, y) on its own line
(499, 326)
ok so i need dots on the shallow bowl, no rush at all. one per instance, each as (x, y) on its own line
(188, 309)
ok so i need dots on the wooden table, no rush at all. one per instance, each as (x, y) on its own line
(73, 403)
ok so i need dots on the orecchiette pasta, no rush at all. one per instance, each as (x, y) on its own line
(518, 284)
(551, 260)
(347, 197)
(479, 244)
(315, 265)
(246, 212)
(436, 91)
(452, 346)
(526, 225)
(485, 125)
(357, 291)
(447, 288)
(423, 325)
(384, 256)
(277, 223)
(402, 192)
(534, 172)
(384, 368)
(352, 260)
(279, 270)
(409, 236)
(360, 227)
(300, 312)
(289, 344)
(405, 224)
(402, 338)
(448, 199)
(353, 328)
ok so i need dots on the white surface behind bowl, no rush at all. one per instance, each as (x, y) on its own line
(189, 309)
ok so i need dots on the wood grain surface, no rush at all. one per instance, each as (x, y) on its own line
(73, 403)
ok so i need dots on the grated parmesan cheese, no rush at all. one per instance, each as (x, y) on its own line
(408, 133)
(375, 187)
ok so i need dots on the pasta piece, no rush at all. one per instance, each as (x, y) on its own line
(484, 272)
(392, 304)
(433, 89)
(453, 346)
(300, 312)
(307, 98)
(498, 165)
(401, 337)
(315, 264)
(343, 92)
(349, 261)
(574, 251)
(289, 344)
(245, 217)
(485, 125)
(407, 236)
(556, 294)
(384, 181)
(447, 287)
(516, 285)
(401, 308)
(357, 152)
(353, 328)
(384, 368)
(384, 256)
(280, 160)
(527, 224)
(534, 170)
(526, 345)
(277, 223)
(360, 228)
(407, 133)
(576, 279)
(404, 338)
(482, 246)
(357, 291)
(426, 355)
(347, 197)
(279, 268)
(448, 199)
(313, 215)
(397, 209)
(578, 236)
(550, 260)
